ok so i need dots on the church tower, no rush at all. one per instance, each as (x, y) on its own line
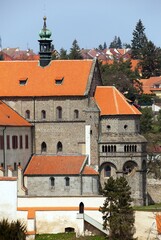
(45, 45)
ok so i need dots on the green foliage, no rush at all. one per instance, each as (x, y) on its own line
(116, 43)
(118, 214)
(146, 120)
(66, 236)
(120, 75)
(151, 60)
(145, 99)
(139, 41)
(63, 54)
(102, 47)
(1, 57)
(75, 51)
(12, 231)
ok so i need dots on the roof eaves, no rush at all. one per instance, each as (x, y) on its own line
(83, 165)
(90, 77)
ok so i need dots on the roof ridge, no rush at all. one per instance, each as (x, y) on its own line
(115, 100)
(121, 95)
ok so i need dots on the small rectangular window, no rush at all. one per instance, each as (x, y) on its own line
(21, 142)
(59, 80)
(26, 142)
(1, 142)
(14, 142)
(67, 181)
(23, 82)
(8, 141)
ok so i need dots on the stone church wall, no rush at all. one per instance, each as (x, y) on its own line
(40, 186)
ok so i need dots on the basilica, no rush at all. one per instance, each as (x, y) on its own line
(67, 131)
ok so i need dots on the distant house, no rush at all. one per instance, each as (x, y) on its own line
(152, 85)
(13, 54)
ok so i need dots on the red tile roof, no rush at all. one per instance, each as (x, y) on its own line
(112, 102)
(58, 165)
(41, 81)
(8, 117)
(147, 84)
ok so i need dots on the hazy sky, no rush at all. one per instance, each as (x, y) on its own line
(90, 22)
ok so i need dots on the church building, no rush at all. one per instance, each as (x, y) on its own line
(81, 131)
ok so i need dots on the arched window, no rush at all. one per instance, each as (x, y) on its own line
(59, 112)
(107, 171)
(81, 207)
(103, 148)
(43, 114)
(27, 114)
(76, 114)
(43, 147)
(67, 181)
(59, 147)
(52, 181)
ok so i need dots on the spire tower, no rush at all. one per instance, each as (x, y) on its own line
(45, 45)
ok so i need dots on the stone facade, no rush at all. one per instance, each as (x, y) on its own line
(79, 185)
(73, 125)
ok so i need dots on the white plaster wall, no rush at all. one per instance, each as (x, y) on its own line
(57, 221)
(60, 201)
(8, 199)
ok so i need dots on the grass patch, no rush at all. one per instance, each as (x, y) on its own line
(150, 208)
(66, 236)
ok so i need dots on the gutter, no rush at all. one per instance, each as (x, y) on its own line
(4, 151)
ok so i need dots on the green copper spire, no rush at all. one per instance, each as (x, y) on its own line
(45, 33)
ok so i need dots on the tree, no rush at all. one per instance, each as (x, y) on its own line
(139, 41)
(14, 230)
(120, 75)
(146, 120)
(75, 51)
(118, 214)
(63, 54)
(151, 60)
(116, 43)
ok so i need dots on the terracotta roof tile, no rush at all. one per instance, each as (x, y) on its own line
(41, 81)
(57, 165)
(8, 117)
(112, 102)
(149, 83)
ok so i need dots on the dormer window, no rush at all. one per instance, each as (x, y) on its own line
(59, 80)
(23, 82)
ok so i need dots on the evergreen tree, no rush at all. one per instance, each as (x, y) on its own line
(146, 120)
(75, 51)
(139, 41)
(120, 75)
(118, 214)
(151, 60)
(104, 45)
(63, 54)
(116, 43)
(100, 47)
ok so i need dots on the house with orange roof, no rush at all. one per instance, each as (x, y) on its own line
(152, 85)
(15, 139)
(77, 124)
(69, 175)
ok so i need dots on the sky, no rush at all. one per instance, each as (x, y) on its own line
(90, 22)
